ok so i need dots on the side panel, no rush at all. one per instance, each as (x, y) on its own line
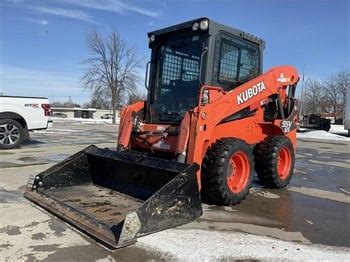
(246, 129)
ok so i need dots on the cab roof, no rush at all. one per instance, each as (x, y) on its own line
(213, 29)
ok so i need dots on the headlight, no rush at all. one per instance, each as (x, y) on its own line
(195, 26)
(152, 38)
(204, 24)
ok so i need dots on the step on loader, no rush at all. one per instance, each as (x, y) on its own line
(211, 118)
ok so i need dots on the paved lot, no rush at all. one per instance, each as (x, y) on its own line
(295, 223)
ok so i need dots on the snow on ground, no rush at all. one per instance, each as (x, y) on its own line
(322, 135)
(205, 245)
(336, 133)
(338, 129)
(58, 131)
(85, 120)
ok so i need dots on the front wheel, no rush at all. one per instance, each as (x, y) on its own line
(227, 172)
(11, 134)
(274, 161)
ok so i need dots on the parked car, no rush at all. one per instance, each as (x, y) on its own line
(58, 114)
(19, 115)
(107, 116)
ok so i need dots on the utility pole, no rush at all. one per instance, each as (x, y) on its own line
(302, 94)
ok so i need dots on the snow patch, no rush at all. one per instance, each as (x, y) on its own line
(86, 120)
(322, 135)
(57, 130)
(338, 129)
(266, 194)
(205, 245)
(336, 133)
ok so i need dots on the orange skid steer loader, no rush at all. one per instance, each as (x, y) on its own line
(210, 119)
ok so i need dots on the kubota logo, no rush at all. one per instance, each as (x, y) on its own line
(250, 92)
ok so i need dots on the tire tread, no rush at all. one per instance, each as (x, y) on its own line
(214, 178)
(266, 154)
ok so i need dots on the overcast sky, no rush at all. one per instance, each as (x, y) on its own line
(42, 43)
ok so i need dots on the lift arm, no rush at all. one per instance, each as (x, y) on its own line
(221, 105)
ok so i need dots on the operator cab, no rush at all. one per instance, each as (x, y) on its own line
(195, 53)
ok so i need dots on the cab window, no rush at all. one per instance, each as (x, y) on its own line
(236, 61)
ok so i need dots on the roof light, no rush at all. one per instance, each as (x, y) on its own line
(195, 26)
(152, 38)
(204, 24)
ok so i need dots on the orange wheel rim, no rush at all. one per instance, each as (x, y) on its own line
(239, 171)
(284, 163)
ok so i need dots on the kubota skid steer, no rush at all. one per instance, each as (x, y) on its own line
(210, 118)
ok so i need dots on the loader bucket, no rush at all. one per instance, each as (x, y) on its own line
(118, 197)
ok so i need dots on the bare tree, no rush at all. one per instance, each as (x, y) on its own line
(334, 96)
(66, 104)
(312, 96)
(100, 99)
(342, 80)
(112, 69)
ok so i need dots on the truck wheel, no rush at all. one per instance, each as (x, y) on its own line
(11, 134)
(227, 172)
(274, 161)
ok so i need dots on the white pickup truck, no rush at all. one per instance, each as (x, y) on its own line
(19, 115)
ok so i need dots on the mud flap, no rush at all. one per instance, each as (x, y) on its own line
(118, 197)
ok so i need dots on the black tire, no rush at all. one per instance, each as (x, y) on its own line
(268, 156)
(217, 171)
(16, 132)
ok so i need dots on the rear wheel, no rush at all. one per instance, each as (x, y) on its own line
(11, 134)
(227, 172)
(274, 161)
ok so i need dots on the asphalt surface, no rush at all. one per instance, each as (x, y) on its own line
(313, 210)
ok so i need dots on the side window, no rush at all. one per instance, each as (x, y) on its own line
(236, 61)
(249, 67)
(229, 58)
